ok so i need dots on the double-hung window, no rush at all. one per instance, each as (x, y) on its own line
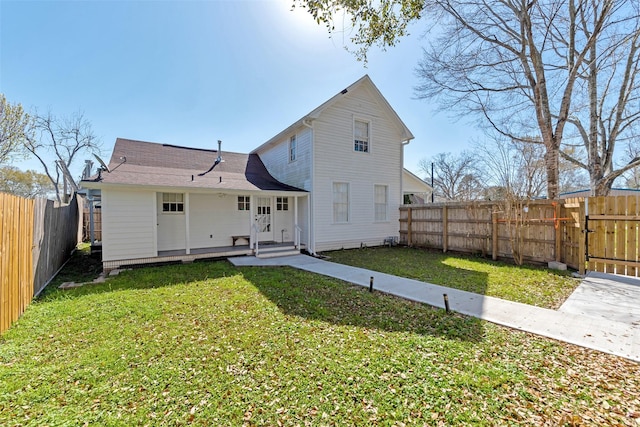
(381, 202)
(340, 202)
(361, 135)
(172, 202)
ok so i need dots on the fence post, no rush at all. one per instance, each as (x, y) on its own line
(558, 231)
(582, 247)
(409, 243)
(445, 229)
(494, 234)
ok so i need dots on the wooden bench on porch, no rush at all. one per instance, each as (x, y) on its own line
(243, 236)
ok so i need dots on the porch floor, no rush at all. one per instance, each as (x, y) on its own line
(241, 249)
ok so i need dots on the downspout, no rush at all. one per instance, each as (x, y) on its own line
(404, 143)
(307, 122)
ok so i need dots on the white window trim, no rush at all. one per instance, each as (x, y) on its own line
(293, 139)
(353, 134)
(333, 216)
(283, 203)
(244, 202)
(386, 214)
(176, 212)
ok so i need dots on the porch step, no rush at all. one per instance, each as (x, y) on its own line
(276, 251)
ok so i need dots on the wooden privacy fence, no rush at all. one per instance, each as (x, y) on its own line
(97, 224)
(612, 239)
(36, 238)
(534, 231)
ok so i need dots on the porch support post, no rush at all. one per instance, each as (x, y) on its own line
(187, 239)
(296, 234)
(252, 238)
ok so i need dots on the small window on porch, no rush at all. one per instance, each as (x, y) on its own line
(244, 203)
(282, 203)
(173, 202)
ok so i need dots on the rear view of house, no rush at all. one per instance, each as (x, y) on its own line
(333, 179)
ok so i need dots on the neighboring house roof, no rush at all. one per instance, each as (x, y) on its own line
(613, 192)
(305, 120)
(411, 183)
(164, 165)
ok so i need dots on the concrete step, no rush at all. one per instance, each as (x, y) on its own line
(277, 253)
(275, 248)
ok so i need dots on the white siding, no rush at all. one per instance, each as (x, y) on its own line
(214, 219)
(296, 173)
(336, 161)
(128, 224)
(283, 223)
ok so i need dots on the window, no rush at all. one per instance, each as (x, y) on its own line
(361, 136)
(380, 202)
(172, 202)
(244, 203)
(282, 203)
(340, 202)
(293, 149)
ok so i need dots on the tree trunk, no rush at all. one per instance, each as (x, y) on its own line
(551, 162)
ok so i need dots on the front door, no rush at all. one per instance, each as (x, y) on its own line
(264, 219)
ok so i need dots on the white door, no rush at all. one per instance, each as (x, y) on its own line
(264, 219)
(171, 221)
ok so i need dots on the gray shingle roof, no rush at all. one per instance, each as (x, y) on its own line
(163, 165)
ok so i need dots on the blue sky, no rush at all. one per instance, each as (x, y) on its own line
(192, 72)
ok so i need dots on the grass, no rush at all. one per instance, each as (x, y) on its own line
(526, 284)
(211, 344)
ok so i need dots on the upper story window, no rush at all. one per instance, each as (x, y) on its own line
(244, 203)
(361, 136)
(172, 202)
(293, 149)
(282, 203)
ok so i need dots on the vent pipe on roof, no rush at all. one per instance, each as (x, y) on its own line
(219, 151)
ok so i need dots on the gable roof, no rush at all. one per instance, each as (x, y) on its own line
(140, 163)
(412, 183)
(364, 80)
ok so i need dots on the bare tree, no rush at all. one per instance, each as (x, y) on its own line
(64, 139)
(523, 67)
(454, 176)
(13, 122)
(632, 176)
(521, 62)
(515, 167)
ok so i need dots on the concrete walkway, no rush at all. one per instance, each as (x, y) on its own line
(609, 336)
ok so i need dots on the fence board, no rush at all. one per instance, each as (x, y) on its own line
(632, 236)
(482, 227)
(621, 234)
(36, 238)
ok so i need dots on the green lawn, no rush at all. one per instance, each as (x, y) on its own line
(211, 344)
(529, 285)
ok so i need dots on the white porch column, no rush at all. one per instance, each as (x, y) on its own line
(296, 233)
(187, 210)
(252, 237)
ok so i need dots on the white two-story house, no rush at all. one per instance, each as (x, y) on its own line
(331, 180)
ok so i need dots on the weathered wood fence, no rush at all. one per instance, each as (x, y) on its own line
(538, 231)
(36, 238)
(97, 224)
